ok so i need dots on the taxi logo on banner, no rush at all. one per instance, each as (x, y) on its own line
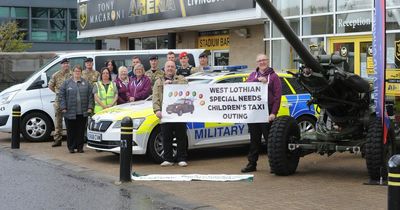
(83, 17)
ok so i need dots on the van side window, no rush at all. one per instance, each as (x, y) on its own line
(72, 63)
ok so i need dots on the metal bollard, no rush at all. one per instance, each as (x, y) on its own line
(394, 183)
(125, 160)
(15, 132)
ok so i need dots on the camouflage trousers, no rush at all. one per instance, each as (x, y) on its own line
(58, 123)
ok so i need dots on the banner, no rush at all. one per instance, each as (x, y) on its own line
(96, 14)
(193, 177)
(379, 50)
(230, 103)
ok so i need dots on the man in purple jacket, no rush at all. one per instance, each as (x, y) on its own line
(264, 74)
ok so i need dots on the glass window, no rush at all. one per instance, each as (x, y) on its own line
(162, 42)
(353, 22)
(287, 8)
(57, 13)
(393, 19)
(57, 36)
(4, 11)
(343, 5)
(285, 87)
(73, 36)
(297, 87)
(149, 43)
(138, 44)
(22, 23)
(266, 29)
(73, 25)
(72, 13)
(40, 24)
(318, 25)
(39, 35)
(19, 12)
(39, 12)
(57, 24)
(294, 24)
(317, 6)
(315, 45)
(392, 3)
(393, 61)
(283, 55)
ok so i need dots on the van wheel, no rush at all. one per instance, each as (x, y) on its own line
(36, 127)
(155, 148)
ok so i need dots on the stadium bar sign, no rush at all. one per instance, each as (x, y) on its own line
(95, 14)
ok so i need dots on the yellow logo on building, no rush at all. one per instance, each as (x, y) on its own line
(217, 42)
(83, 15)
(397, 54)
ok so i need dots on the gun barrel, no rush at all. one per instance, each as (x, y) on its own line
(289, 34)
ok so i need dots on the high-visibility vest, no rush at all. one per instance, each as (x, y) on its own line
(105, 97)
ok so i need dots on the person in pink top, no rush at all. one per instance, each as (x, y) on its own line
(140, 85)
(122, 82)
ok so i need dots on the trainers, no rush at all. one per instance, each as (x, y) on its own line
(56, 144)
(166, 163)
(182, 163)
(249, 168)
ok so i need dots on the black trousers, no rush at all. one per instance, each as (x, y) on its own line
(177, 130)
(256, 131)
(76, 132)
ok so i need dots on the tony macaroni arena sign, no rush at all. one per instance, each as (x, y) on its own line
(95, 14)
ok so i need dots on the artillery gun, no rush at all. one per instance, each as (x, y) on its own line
(347, 121)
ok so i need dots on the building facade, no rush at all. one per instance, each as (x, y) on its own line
(50, 25)
(236, 31)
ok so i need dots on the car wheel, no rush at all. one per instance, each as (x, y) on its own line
(282, 161)
(180, 112)
(155, 149)
(306, 123)
(36, 127)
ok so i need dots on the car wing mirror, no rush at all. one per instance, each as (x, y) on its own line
(43, 79)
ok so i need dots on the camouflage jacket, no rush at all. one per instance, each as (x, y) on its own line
(91, 75)
(158, 89)
(58, 79)
(154, 75)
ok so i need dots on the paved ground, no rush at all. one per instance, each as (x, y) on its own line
(28, 183)
(320, 182)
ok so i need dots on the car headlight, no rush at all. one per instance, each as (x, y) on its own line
(7, 97)
(135, 121)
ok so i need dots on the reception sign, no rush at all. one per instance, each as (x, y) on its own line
(224, 103)
(95, 14)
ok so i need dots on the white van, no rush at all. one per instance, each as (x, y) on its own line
(36, 99)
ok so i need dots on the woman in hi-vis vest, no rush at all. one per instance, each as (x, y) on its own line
(105, 91)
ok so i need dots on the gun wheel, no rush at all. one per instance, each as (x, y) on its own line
(282, 161)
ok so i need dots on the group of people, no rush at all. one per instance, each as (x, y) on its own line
(82, 92)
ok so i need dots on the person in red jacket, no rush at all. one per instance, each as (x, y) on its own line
(140, 85)
(264, 74)
(122, 82)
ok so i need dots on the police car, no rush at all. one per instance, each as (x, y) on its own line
(104, 128)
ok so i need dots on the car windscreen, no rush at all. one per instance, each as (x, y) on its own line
(199, 81)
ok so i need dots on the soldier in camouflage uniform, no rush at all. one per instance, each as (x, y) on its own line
(154, 72)
(90, 74)
(170, 130)
(55, 83)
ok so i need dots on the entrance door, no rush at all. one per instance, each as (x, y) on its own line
(358, 50)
